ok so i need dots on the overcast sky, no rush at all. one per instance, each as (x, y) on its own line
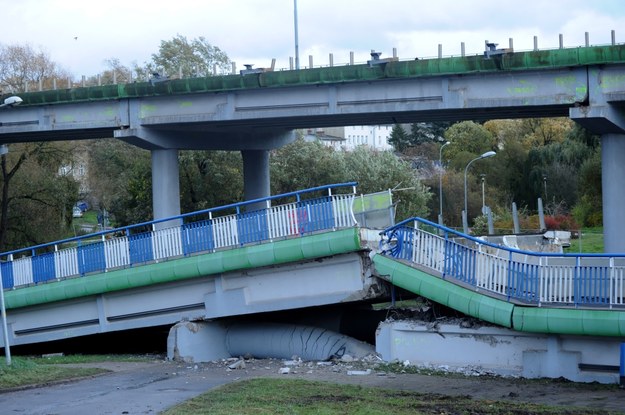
(80, 34)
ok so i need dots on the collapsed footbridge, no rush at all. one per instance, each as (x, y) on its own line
(318, 247)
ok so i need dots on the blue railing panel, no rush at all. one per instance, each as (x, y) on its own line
(315, 215)
(523, 283)
(593, 285)
(6, 268)
(141, 248)
(43, 267)
(252, 226)
(91, 258)
(197, 237)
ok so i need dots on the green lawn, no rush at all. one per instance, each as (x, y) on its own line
(302, 397)
(590, 241)
(28, 371)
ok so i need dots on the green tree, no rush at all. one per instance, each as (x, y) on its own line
(188, 58)
(424, 132)
(209, 179)
(469, 140)
(302, 165)
(37, 200)
(377, 171)
(399, 139)
(560, 163)
(120, 180)
(588, 211)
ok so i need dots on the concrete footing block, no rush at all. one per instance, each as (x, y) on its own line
(197, 342)
(498, 350)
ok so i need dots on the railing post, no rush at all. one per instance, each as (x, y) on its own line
(576, 283)
(541, 283)
(445, 254)
(509, 288)
(611, 281)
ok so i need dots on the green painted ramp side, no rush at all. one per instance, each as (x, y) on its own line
(253, 256)
(569, 321)
(436, 289)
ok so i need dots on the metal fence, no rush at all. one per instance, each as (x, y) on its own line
(204, 231)
(596, 280)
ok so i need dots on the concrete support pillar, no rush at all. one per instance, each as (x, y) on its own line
(613, 174)
(165, 183)
(256, 175)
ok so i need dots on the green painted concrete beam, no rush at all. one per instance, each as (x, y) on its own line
(248, 257)
(569, 321)
(444, 292)
(517, 61)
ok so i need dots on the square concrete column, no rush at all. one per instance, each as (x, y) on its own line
(165, 185)
(256, 176)
(612, 176)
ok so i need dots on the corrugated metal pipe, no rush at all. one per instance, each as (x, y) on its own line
(284, 341)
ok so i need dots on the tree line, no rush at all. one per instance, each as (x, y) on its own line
(549, 158)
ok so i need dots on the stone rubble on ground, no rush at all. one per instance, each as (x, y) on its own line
(371, 364)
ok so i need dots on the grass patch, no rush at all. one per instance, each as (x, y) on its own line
(295, 396)
(32, 371)
(590, 241)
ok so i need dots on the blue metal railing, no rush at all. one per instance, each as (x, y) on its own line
(207, 230)
(526, 276)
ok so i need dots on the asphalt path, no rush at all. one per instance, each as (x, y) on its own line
(152, 387)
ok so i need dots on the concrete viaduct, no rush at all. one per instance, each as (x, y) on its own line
(256, 112)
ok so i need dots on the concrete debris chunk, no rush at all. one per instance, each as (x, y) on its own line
(358, 372)
(285, 370)
(239, 364)
(292, 362)
(324, 363)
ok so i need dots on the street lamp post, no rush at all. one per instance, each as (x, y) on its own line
(440, 183)
(296, 35)
(8, 102)
(466, 169)
(483, 176)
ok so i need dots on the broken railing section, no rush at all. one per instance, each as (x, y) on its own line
(294, 214)
(517, 275)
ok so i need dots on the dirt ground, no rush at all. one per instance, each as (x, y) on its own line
(150, 387)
